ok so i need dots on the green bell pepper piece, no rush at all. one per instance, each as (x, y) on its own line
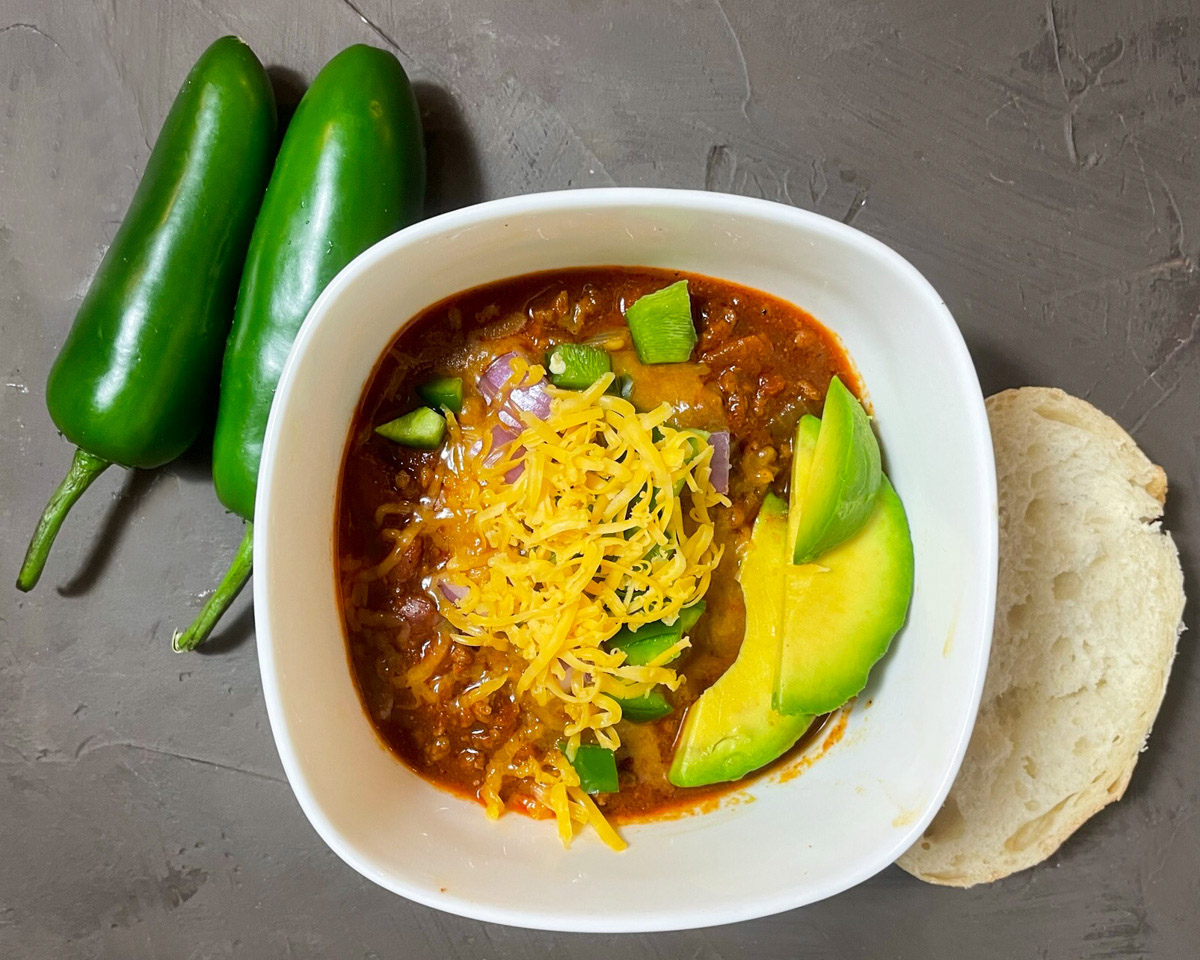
(651, 706)
(660, 324)
(576, 366)
(596, 768)
(423, 429)
(651, 640)
(443, 392)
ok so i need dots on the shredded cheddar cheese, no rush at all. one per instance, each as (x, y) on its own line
(554, 540)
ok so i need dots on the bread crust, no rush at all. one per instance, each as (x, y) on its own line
(1089, 611)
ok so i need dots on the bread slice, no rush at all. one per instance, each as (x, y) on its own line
(1088, 612)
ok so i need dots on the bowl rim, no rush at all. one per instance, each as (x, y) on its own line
(685, 918)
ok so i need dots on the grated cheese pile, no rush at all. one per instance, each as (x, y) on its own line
(555, 541)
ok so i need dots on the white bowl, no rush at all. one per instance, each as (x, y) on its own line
(843, 819)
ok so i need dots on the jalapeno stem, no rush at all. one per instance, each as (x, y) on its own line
(84, 469)
(231, 585)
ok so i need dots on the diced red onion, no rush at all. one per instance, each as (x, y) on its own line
(452, 591)
(502, 436)
(511, 419)
(498, 373)
(569, 675)
(518, 468)
(719, 465)
(532, 399)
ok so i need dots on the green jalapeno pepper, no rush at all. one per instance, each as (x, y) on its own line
(135, 379)
(350, 171)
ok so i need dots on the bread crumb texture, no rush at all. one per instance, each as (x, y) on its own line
(1088, 614)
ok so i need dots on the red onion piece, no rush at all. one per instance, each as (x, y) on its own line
(719, 465)
(532, 399)
(498, 373)
(501, 437)
(510, 419)
(452, 591)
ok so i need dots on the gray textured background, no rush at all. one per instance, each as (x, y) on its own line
(1038, 163)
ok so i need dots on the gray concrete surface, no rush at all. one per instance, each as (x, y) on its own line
(1038, 163)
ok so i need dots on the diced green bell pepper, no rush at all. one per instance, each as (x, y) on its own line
(652, 639)
(596, 768)
(660, 324)
(651, 706)
(576, 366)
(422, 428)
(443, 392)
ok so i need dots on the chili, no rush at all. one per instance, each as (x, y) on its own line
(760, 364)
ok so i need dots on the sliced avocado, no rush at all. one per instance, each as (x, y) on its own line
(843, 480)
(841, 611)
(807, 431)
(732, 729)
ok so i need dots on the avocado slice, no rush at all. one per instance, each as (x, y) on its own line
(843, 480)
(841, 611)
(807, 431)
(732, 729)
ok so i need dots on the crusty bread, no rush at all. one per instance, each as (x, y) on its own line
(1087, 618)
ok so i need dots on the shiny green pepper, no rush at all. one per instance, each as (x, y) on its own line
(351, 171)
(135, 380)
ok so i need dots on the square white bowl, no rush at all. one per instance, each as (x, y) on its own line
(847, 816)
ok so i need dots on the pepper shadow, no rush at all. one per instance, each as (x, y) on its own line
(289, 87)
(194, 465)
(454, 176)
(116, 522)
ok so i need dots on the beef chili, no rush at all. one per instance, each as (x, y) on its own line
(450, 703)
